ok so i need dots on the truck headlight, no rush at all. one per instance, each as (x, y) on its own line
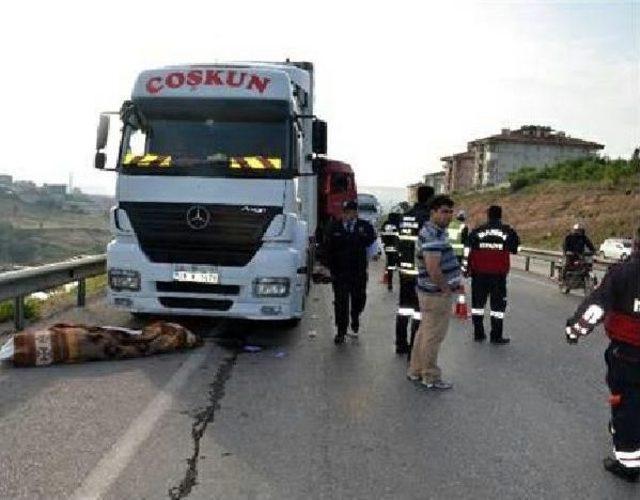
(124, 279)
(271, 287)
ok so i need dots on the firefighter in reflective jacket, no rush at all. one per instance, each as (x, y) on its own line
(488, 265)
(616, 302)
(408, 307)
(458, 234)
(390, 242)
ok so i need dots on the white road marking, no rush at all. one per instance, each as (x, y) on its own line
(99, 480)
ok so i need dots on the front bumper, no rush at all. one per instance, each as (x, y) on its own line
(237, 303)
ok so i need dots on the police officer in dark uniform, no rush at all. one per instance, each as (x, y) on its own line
(348, 240)
(408, 307)
(488, 265)
(390, 242)
(617, 302)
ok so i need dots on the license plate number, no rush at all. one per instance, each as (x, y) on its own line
(195, 275)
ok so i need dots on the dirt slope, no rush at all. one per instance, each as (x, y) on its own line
(542, 214)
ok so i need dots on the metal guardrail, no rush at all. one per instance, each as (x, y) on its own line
(19, 284)
(554, 258)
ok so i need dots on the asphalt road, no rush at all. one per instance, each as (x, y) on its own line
(303, 418)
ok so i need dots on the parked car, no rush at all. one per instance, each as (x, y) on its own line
(616, 248)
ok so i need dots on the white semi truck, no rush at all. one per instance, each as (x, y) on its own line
(216, 196)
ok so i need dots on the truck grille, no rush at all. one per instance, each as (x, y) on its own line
(183, 287)
(186, 303)
(231, 237)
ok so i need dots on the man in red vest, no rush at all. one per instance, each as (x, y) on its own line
(490, 249)
(616, 302)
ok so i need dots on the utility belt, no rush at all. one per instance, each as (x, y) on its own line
(623, 327)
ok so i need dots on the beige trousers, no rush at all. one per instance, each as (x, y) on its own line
(435, 310)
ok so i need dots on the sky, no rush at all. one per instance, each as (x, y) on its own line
(401, 83)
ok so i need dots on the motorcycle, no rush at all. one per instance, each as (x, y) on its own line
(576, 272)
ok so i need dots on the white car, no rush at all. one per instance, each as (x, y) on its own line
(616, 248)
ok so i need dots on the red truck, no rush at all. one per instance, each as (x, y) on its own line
(336, 184)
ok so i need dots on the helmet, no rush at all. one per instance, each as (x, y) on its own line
(462, 216)
(577, 226)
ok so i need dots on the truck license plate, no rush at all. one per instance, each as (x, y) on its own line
(195, 274)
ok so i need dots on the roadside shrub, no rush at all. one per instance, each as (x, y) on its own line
(31, 309)
(587, 169)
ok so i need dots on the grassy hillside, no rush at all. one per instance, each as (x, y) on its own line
(33, 233)
(544, 211)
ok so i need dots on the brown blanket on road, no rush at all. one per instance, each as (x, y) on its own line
(65, 343)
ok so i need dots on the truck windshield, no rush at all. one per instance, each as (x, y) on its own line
(207, 147)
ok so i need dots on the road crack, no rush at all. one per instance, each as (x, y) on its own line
(202, 419)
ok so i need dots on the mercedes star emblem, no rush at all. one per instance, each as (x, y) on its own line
(198, 217)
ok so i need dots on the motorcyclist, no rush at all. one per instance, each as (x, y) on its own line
(577, 241)
(575, 247)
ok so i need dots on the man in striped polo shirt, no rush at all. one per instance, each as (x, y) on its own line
(439, 277)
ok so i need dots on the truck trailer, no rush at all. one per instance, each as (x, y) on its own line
(216, 193)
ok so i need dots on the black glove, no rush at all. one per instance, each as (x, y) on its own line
(571, 335)
(575, 330)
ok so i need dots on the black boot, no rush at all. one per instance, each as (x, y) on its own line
(339, 338)
(500, 340)
(478, 328)
(617, 469)
(402, 345)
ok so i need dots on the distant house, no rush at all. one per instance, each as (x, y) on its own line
(55, 189)
(490, 160)
(458, 172)
(6, 180)
(437, 181)
(412, 192)
(24, 186)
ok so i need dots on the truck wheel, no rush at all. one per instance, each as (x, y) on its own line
(310, 265)
(291, 322)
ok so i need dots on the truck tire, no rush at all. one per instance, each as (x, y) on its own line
(310, 264)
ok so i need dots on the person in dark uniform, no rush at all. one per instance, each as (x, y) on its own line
(390, 242)
(348, 240)
(576, 245)
(616, 302)
(488, 266)
(408, 307)
(577, 241)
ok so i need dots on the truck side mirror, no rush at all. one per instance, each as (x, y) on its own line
(319, 137)
(100, 160)
(103, 132)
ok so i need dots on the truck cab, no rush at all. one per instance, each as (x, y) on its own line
(216, 195)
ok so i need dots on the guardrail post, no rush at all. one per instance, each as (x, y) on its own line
(18, 312)
(82, 292)
(527, 263)
(552, 271)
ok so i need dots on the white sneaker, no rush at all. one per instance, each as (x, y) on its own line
(440, 385)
